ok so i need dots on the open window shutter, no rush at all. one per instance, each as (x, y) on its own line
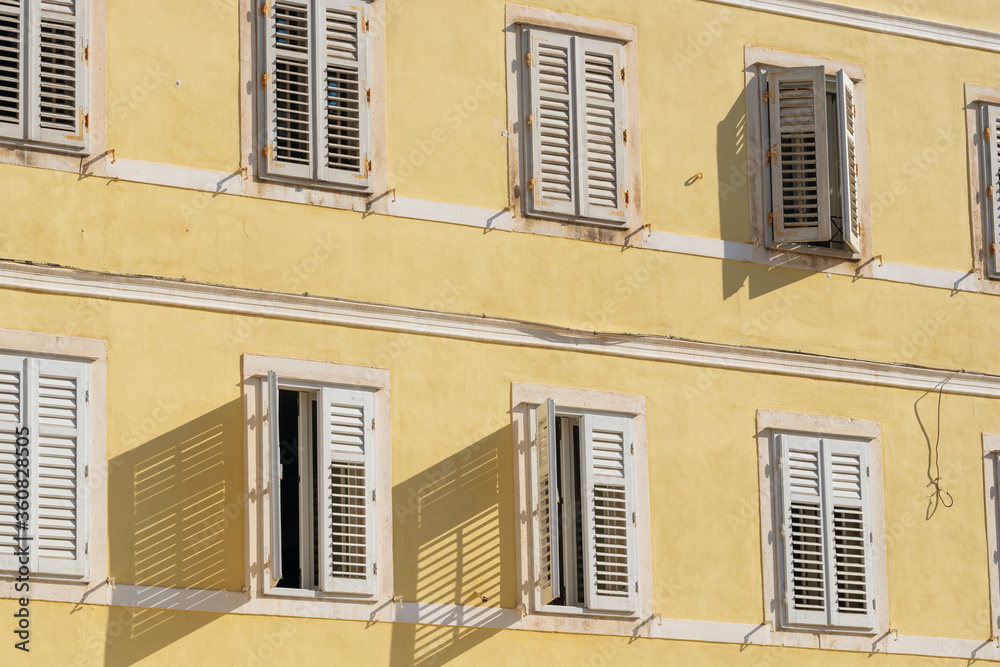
(548, 501)
(800, 182)
(12, 69)
(802, 530)
(58, 73)
(609, 514)
(846, 117)
(343, 109)
(62, 502)
(600, 130)
(992, 132)
(347, 491)
(287, 84)
(273, 461)
(12, 418)
(849, 531)
(552, 188)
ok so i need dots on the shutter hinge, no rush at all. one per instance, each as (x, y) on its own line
(632, 448)
(265, 9)
(531, 184)
(531, 120)
(868, 471)
(637, 586)
(633, 517)
(623, 75)
(368, 166)
(368, 96)
(987, 133)
(86, 548)
(375, 568)
(373, 495)
(527, 59)
(626, 198)
(86, 396)
(624, 136)
(770, 221)
(86, 53)
(771, 155)
(86, 122)
(263, 80)
(767, 96)
(993, 249)
(86, 472)
(989, 191)
(373, 423)
(366, 25)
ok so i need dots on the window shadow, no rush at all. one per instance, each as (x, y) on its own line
(175, 517)
(453, 529)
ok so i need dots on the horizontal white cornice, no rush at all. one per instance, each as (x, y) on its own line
(326, 310)
(875, 21)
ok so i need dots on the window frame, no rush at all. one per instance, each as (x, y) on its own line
(770, 423)
(91, 355)
(517, 19)
(991, 486)
(311, 375)
(574, 402)
(802, 255)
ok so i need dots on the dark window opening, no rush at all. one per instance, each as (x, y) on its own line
(569, 515)
(298, 506)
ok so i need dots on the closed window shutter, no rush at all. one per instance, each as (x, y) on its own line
(548, 497)
(600, 101)
(58, 80)
(347, 491)
(344, 106)
(992, 118)
(800, 183)
(274, 470)
(288, 91)
(12, 70)
(12, 417)
(849, 177)
(609, 514)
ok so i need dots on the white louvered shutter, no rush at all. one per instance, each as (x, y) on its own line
(288, 122)
(609, 514)
(548, 501)
(849, 531)
(600, 105)
(992, 132)
(347, 491)
(344, 104)
(800, 181)
(62, 502)
(273, 459)
(12, 68)
(59, 73)
(849, 176)
(13, 417)
(802, 531)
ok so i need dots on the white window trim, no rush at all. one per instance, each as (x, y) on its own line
(297, 602)
(518, 16)
(317, 193)
(991, 484)
(523, 398)
(768, 422)
(87, 160)
(78, 350)
(803, 256)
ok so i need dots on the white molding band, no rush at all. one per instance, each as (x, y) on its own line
(339, 312)
(875, 21)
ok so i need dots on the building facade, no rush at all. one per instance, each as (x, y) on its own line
(427, 332)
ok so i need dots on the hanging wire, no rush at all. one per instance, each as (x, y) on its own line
(937, 495)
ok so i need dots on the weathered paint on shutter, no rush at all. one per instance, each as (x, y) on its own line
(12, 418)
(288, 117)
(992, 190)
(347, 485)
(800, 182)
(849, 177)
(802, 533)
(343, 108)
(600, 130)
(548, 501)
(849, 532)
(12, 69)
(553, 184)
(273, 450)
(61, 505)
(609, 513)
(58, 86)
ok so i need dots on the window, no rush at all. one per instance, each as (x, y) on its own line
(325, 488)
(44, 409)
(316, 103)
(587, 490)
(44, 62)
(823, 527)
(991, 162)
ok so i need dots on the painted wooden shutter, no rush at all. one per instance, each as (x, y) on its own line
(849, 177)
(992, 132)
(288, 91)
(609, 513)
(548, 501)
(848, 520)
(13, 416)
(800, 182)
(273, 458)
(600, 106)
(58, 78)
(344, 106)
(347, 491)
(802, 531)
(12, 69)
